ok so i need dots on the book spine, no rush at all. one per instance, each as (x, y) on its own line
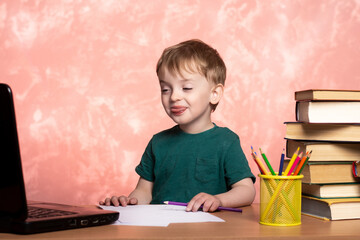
(297, 111)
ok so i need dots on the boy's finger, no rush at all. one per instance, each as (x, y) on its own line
(214, 206)
(133, 201)
(197, 204)
(107, 201)
(115, 201)
(123, 201)
(206, 206)
(191, 205)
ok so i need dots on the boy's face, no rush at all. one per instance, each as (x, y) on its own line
(186, 99)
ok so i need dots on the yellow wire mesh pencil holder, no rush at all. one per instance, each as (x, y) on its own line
(280, 200)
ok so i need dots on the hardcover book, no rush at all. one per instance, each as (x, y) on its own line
(322, 132)
(327, 94)
(331, 209)
(328, 112)
(331, 190)
(327, 172)
(325, 151)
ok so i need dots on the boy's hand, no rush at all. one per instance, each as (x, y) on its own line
(117, 201)
(210, 203)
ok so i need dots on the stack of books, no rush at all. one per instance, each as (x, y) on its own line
(328, 124)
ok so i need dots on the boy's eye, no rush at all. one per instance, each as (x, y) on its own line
(164, 90)
(187, 88)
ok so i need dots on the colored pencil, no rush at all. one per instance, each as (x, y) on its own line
(307, 159)
(282, 162)
(291, 161)
(254, 158)
(262, 166)
(259, 162)
(301, 163)
(219, 208)
(252, 149)
(295, 164)
(267, 162)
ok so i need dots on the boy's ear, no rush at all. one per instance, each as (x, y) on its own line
(216, 94)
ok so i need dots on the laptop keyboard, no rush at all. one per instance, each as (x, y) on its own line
(37, 212)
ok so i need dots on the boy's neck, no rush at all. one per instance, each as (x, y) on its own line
(191, 129)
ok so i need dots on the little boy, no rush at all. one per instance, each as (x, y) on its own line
(195, 161)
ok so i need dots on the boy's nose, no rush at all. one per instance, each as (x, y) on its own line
(175, 96)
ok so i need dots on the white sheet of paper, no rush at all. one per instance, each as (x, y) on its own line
(158, 215)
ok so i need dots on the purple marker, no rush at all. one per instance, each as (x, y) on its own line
(219, 208)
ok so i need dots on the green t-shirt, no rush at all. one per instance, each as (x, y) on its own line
(182, 165)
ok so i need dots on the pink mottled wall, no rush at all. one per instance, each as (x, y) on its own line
(86, 93)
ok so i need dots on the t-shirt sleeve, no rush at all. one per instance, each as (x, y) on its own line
(145, 169)
(236, 164)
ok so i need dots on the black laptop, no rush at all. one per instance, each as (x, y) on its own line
(16, 214)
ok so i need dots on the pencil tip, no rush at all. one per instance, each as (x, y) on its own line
(166, 202)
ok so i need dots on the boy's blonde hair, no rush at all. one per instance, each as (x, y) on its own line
(193, 56)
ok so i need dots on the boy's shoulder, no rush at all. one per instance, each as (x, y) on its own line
(167, 133)
(172, 130)
(226, 132)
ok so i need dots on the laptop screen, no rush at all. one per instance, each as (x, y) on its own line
(12, 190)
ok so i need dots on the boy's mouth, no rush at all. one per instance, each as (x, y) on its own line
(177, 110)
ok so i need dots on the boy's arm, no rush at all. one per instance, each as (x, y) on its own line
(143, 191)
(242, 193)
